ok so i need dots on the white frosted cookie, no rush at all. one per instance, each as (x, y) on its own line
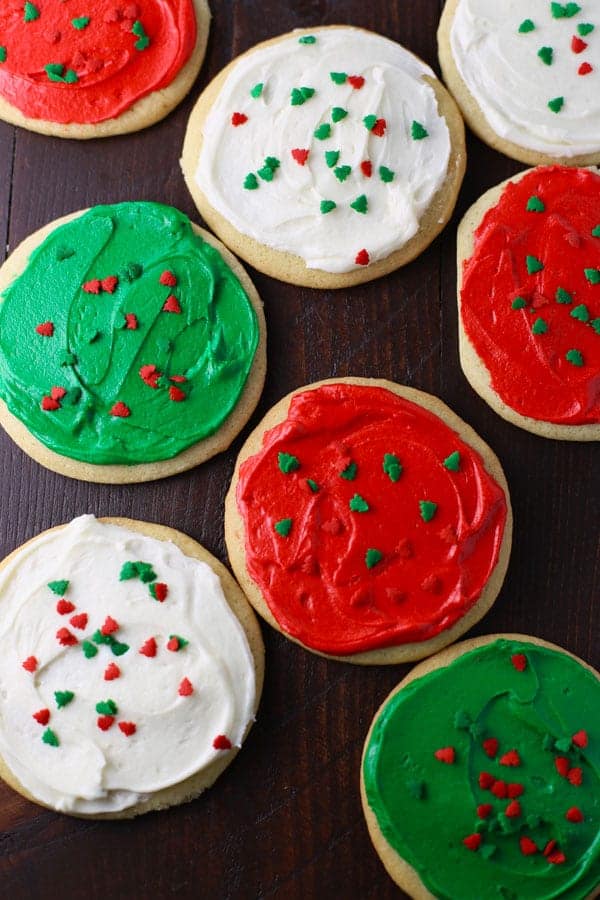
(325, 157)
(131, 668)
(526, 76)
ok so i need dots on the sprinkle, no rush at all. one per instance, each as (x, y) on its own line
(556, 104)
(416, 788)
(370, 122)
(533, 264)
(107, 708)
(366, 167)
(266, 173)
(362, 257)
(372, 557)
(556, 858)
(110, 626)
(65, 638)
(534, 204)
(358, 504)
(584, 69)
(338, 113)
(148, 648)
(63, 607)
(159, 590)
(360, 205)
(120, 410)
(111, 672)
(168, 279)
(283, 527)
(176, 643)
(519, 661)
(564, 12)
(257, 90)
(386, 174)
(50, 738)
(528, 847)
(595, 323)
(484, 809)
(486, 780)
(46, 329)
(300, 156)
(141, 570)
(3, 54)
(179, 379)
(472, 841)
(452, 462)
(490, 747)
(48, 404)
(562, 765)
(80, 621)
(592, 275)
(307, 39)
(580, 312)
(80, 23)
(131, 271)
(356, 81)
(585, 28)
(428, 509)
(131, 322)
(331, 158)
(499, 789)
(89, 649)
(323, 131)
(57, 393)
(287, 463)
(313, 485)
(128, 728)
(92, 287)
(577, 44)
(338, 77)
(327, 206)
(580, 738)
(526, 26)
(379, 128)
(349, 473)
(221, 742)
(30, 13)
(42, 716)
(342, 172)
(176, 394)
(545, 54)
(105, 722)
(513, 810)
(539, 326)
(150, 376)
(564, 744)
(392, 466)
(514, 789)
(63, 698)
(417, 132)
(250, 182)
(186, 688)
(171, 304)
(574, 814)
(272, 162)
(574, 357)
(563, 296)
(446, 755)
(549, 847)
(575, 776)
(143, 40)
(118, 649)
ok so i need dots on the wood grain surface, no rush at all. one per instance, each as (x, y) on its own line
(285, 820)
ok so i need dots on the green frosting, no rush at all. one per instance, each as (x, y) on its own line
(91, 353)
(536, 712)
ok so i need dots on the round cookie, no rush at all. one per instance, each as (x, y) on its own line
(530, 341)
(526, 76)
(132, 344)
(325, 158)
(367, 522)
(132, 668)
(113, 70)
(479, 777)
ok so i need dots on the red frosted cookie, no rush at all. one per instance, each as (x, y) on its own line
(529, 300)
(367, 522)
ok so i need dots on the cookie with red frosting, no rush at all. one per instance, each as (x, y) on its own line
(529, 301)
(106, 68)
(367, 522)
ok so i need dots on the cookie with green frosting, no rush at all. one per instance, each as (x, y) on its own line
(132, 344)
(480, 776)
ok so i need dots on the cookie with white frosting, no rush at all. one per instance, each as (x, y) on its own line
(131, 668)
(526, 76)
(326, 157)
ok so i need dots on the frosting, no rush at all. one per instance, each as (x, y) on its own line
(534, 70)
(536, 327)
(84, 641)
(127, 338)
(475, 769)
(58, 65)
(369, 522)
(328, 146)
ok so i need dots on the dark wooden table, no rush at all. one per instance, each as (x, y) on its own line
(285, 820)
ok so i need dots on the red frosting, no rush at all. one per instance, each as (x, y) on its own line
(316, 580)
(112, 73)
(531, 372)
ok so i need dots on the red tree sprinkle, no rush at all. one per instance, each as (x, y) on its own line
(584, 69)
(168, 279)
(150, 375)
(580, 738)
(49, 405)
(149, 648)
(484, 809)
(63, 607)
(65, 638)
(366, 167)
(131, 322)
(514, 790)
(178, 379)
(110, 626)
(30, 664)
(161, 591)
(109, 284)
(556, 858)
(128, 728)
(575, 776)
(445, 755)
(549, 848)
(173, 645)
(362, 258)
(238, 119)
(93, 287)
(300, 156)
(42, 716)
(105, 722)
(171, 304)
(513, 810)
(176, 394)
(222, 742)
(472, 841)
(46, 329)
(490, 747)
(519, 661)
(111, 672)
(356, 81)
(499, 789)
(486, 780)
(528, 847)
(511, 758)
(120, 410)
(79, 621)
(57, 393)
(562, 765)
(574, 814)
(186, 688)
(577, 45)
(379, 127)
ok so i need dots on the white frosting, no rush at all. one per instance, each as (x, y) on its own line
(94, 771)
(285, 213)
(512, 85)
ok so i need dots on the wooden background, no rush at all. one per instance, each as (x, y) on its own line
(285, 820)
